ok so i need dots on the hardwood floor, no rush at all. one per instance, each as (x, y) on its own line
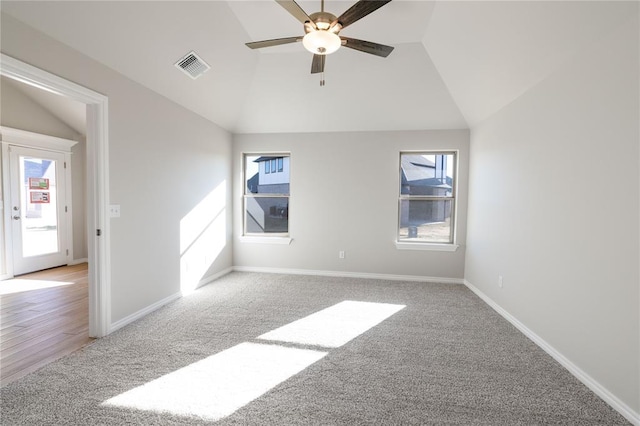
(38, 326)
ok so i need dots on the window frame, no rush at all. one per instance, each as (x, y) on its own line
(422, 244)
(270, 237)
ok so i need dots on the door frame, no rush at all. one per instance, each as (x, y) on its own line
(97, 182)
(23, 139)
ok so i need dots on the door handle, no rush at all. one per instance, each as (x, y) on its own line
(16, 217)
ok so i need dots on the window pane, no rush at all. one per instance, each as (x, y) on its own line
(260, 180)
(252, 170)
(267, 214)
(39, 204)
(266, 198)
(427, 174)
(426, 221)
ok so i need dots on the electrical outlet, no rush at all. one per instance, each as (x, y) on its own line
(114, 210)
(500, 281)
(341, 254)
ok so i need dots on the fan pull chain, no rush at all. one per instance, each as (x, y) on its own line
(322, 79)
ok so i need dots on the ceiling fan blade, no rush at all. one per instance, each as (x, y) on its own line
(273, 42)
(359, 11)
(317, 65)
(294, 9)
(367, 46)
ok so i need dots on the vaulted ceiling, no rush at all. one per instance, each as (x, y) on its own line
(454, 64)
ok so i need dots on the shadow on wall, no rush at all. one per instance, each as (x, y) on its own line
(202, 238)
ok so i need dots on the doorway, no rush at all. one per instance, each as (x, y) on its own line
(97, 202)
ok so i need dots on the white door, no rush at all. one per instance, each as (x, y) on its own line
(38, 208)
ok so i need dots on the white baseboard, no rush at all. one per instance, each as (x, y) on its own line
(587, 380)
(345, 274)
(142, 312)
(78, 261)
(208, 279)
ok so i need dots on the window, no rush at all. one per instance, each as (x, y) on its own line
(266, 195)
(427, 201)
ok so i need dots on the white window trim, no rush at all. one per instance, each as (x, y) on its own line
(401, 245)
(427, 245)
(266, 238)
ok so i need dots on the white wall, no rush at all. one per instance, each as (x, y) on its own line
(554, 209)
(21, 112)
(164, 161)
(344, 196)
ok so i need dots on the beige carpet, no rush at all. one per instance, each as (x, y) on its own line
(267, 349)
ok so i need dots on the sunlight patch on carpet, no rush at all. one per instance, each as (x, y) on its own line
(217, 386)
(334, 326)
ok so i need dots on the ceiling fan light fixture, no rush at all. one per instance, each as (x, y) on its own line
(321, 42)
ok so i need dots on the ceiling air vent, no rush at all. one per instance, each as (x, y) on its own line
(193, 65)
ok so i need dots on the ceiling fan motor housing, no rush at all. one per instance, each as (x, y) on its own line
(323, 21)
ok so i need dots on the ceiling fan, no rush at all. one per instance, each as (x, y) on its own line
(322, 29)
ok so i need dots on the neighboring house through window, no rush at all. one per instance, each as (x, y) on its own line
(266, 194)
(427, 197)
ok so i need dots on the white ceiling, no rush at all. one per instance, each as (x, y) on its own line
(490, 53)
(454, 63)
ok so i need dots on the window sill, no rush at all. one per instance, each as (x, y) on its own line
(400, 245)
(265, 240)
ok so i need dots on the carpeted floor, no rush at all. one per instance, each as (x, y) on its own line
(446, 358)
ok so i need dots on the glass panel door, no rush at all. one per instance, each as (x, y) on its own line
(37, 209)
